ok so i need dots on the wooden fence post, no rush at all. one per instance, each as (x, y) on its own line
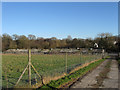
(66, 62)
(29, 70)
(6, 79)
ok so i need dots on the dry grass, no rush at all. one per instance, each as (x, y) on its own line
(48, 79)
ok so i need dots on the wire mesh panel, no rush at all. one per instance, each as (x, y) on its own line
(49, 67)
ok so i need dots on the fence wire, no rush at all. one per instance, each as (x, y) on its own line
(50, 67)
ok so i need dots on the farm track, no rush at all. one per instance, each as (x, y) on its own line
(112, 80)
(90, 79)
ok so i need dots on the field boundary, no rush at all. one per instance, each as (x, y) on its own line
(84, 65)
(64, 74)
(74, 80)
(71, 78)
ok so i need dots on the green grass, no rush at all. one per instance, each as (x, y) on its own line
(46, 65)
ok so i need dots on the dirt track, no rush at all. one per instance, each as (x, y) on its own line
(110, 82)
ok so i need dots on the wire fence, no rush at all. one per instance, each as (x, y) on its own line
(50, 67)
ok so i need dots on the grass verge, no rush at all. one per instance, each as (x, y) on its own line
(71, 77)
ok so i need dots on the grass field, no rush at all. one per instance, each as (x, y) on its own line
(46, 65)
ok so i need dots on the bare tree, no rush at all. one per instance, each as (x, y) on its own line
(69, 37)
(15, 37)
(31, 37)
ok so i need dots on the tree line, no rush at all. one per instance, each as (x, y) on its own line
(104, 40)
